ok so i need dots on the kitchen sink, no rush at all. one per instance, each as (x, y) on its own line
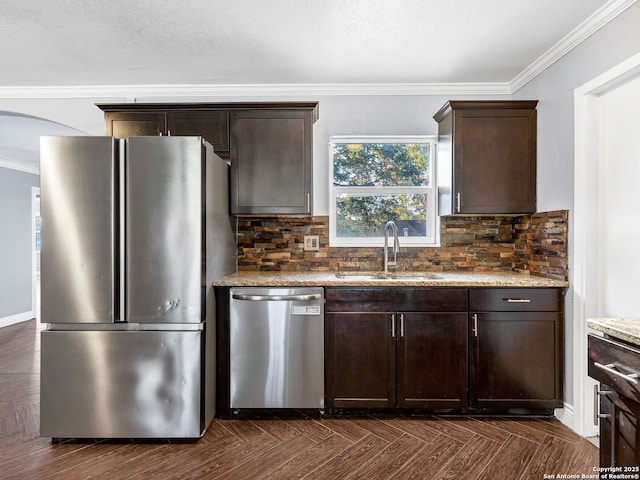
(413, 276)
(388, 276)
(361, 277)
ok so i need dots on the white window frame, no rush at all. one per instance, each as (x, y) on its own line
(429, 240)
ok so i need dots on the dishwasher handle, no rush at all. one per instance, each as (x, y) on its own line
(266, 298)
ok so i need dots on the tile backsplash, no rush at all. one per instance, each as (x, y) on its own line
(536, 244)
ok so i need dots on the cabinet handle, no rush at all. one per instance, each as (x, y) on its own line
(308, 206)
(597, 393)
(631, 377)
(596, 403)
(517, 300)
(458, 202)
(393, 325)
(475, 324)
(402, 325)
(264, 298)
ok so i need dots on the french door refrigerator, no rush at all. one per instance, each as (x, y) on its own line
(133, 234)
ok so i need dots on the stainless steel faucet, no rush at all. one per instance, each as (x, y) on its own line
(396, 245)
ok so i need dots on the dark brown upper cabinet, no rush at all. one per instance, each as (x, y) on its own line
(270, 146)
(487, 157)
(271, 167)
(134, 124)
(212, 125)
(134, 120)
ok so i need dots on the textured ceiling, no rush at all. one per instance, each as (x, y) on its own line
(120, 42)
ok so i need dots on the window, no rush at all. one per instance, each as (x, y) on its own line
(377, 179)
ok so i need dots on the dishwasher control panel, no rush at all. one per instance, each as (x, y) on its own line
(305, 310)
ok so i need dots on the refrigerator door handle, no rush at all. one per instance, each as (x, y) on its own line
(120, 242)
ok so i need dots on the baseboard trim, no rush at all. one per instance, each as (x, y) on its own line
(17, 318)
(566, 416)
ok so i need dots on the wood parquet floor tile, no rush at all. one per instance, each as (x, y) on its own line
(283, 445)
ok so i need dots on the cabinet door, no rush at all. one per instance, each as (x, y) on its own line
(432, 360)
(271, 161)
(212, 125)
(361, 360)
(619, 432)
(494, 160)
(516, 360)
(605, 418)
(134, 124)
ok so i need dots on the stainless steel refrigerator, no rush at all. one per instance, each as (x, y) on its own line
(133, 234)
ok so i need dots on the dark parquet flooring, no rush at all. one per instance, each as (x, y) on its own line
(290, 446)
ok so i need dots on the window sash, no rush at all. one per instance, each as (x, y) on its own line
(336, 192)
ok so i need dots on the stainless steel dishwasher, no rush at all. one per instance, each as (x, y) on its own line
(277, 348)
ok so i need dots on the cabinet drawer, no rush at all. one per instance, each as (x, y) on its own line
(616, 365)
(396, 299)
(515, 299)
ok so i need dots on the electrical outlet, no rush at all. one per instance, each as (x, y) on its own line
(311, 242)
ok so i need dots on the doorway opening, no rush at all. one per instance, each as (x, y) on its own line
(595, 136)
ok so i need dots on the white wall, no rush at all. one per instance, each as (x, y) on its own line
(15, 245)
(81, 114)
(618, 225)
(554, 88)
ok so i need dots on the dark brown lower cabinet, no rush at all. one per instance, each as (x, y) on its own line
(516, 348)
(361, 360)
(396, 359)
(619, 433)
(616, 365)
(468, 350)
(432, 360)
(515, 360)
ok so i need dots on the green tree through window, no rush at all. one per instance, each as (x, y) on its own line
(381, 164)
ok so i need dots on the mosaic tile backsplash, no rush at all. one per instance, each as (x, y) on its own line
(536, 244)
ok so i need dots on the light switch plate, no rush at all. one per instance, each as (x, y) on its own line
(311, 242)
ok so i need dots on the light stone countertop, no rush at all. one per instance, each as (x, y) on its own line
(415, 279)
(627, 329)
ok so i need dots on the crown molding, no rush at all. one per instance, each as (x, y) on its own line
(254, 90)
(574, 38)
(21, 167)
